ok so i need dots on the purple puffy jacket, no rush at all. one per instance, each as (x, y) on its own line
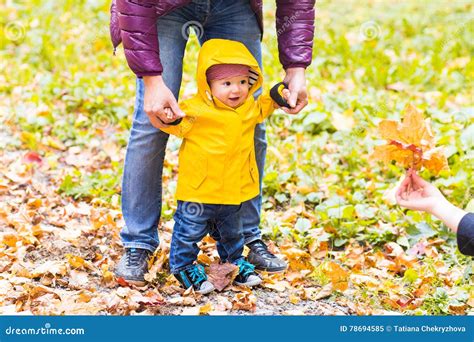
(133, 22)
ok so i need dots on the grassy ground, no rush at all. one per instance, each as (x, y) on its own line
(66, 105)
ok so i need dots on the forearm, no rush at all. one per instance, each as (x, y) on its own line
(295, 75)
(295, 31)
(449, 214)
(153, 81)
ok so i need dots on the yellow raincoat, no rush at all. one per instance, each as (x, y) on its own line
(217, 159)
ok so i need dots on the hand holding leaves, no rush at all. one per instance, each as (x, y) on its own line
(417, 194)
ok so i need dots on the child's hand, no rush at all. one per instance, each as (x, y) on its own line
(286, 95)
(170, 115)
(280, 95)
(417, 194)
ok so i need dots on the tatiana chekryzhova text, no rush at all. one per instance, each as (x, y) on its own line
(428, 328)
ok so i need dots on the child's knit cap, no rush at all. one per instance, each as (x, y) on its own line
(221, 71)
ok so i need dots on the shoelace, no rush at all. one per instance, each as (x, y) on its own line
(197, 274)
(245, 268)
(261, 248)
(133, 256)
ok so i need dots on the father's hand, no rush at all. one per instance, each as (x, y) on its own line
(298, 97)
(157, 98)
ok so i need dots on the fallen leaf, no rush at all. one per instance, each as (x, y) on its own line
(150, 298)
(122, 282)
(297, 259)
(106, 274)
(221, 275)
(205, 309)
(279, 286)
(50, 267)
(339, 276)
(84, 297)
(344, 121)
(32, 157)
(78, 279)
(459, 309)
(78, 262)
(184, 301)
(10, 240)
(244, 301)
(294, 299)
(326, 291)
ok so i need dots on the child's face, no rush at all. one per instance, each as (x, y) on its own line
(232, 91)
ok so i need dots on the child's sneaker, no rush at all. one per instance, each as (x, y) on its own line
(195, 277)
(247, 275)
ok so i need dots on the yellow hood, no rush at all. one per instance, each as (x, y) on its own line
(223, 51)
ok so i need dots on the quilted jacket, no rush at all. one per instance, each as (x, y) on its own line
(133, 22)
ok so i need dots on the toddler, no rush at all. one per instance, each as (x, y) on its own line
(217, 166)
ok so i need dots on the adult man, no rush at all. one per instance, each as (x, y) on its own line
(154, 35)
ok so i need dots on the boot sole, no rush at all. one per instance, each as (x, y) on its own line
(271, 271)
(206, 291)
(251, 283)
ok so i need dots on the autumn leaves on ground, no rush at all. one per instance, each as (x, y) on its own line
(65, 108)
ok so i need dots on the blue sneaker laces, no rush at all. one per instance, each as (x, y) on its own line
(197, 274)
(245, 268)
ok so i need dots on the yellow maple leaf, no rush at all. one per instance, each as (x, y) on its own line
(339, 276)
(410, 143)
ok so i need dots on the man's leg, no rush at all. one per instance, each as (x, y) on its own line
(235, 20)
(142, 178)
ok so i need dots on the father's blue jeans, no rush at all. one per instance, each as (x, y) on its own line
(192, 224)
(142, 183)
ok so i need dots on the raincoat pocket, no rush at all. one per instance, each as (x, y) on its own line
(253, 167)
(199, 173)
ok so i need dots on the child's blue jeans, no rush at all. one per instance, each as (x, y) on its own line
(192, 224)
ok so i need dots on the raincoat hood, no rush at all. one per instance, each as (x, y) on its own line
(224, 51)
